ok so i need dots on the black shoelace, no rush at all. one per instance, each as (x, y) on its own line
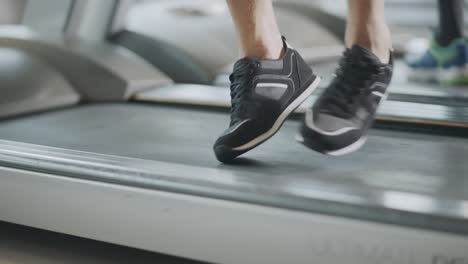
(349, 86)
(241, 84)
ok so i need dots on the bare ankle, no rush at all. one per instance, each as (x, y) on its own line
(375, 37)
(264, 49)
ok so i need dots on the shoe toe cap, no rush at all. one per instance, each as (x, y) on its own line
(236, 134)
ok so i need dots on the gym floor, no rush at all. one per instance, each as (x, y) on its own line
(23, 245)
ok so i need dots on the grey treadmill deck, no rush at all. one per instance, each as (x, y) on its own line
(399, 178)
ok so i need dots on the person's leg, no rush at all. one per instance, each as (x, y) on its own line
(450, 21)
(367, 27)
(267, 84)
(256, 25)
(337, 124)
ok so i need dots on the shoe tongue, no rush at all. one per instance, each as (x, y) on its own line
(359, 54)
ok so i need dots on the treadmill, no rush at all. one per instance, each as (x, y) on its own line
(83, 153)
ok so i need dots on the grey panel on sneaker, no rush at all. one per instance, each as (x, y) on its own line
(272, 64)
(331, 123)
(272, 91)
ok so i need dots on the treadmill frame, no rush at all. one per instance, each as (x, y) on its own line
(200, 227)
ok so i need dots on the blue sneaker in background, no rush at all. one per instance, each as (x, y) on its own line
(446, 65)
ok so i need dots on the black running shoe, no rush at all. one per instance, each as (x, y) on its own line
(337, 124)
(263, 94)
